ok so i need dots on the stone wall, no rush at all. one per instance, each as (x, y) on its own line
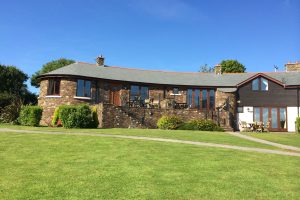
(226, 101)
(67, 96)
(149, 116)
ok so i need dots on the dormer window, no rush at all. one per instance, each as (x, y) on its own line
(260, 84)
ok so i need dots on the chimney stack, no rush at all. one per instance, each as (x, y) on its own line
(218, 69)
(292, 66)
(100, 60)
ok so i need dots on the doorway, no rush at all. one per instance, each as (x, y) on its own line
(115, 94)
(277, 116)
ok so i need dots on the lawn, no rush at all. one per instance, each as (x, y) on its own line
(36, 166)
(282, 138)
(203, 136)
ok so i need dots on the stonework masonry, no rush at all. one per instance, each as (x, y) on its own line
(113, 116)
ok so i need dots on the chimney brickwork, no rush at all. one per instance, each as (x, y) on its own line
(100, 60)
(292, 66)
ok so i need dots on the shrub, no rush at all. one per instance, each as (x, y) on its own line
(201, 125)
(64, 113)
(80, 116)
(55, 117)
(298, 124)
(30, 115)
(95, 117)
(169, 122)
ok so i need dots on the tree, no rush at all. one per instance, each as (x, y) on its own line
(13, 92)
(232, 66)
(48, 67)
(206, 68)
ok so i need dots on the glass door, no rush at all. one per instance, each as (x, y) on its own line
(276, 116)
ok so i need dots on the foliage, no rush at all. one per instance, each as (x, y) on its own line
(13, 93)
(64, 113)
(55, 117)
(201, 125)
(30, 115)
(12, 80)
(298, 124)
(232, 66)
(48, 67)
(206, 68)
(169, 122)
(80, 116)
(95, 116)
(10, 112)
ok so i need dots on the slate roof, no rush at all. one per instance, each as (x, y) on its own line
(168, 78)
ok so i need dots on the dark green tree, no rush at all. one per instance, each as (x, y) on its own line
(232, 66)
(48, 67)
(13, 92)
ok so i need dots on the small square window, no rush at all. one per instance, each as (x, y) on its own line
(240, 109)
(176, 90)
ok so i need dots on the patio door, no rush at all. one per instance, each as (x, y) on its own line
(277, 117)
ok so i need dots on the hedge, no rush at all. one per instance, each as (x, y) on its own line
(201, 125)
(30, 115)
(174, 122)
(81, 116)
(298, 124)
(169, 122)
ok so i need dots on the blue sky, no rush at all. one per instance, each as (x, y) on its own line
(177, 35)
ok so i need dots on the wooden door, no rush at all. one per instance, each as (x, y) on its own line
(115, 95)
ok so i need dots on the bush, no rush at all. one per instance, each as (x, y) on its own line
(80, 116)
(169, 122)
(30, 115)
(298, 124)
(55, 117)
(201, 125)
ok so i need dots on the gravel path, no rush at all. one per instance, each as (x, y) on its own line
(249, 149)
(282, 146)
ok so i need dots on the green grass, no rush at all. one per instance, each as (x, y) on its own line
(282, 138)
(203, 136)
(35, 166)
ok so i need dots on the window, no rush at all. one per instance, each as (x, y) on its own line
(83, 88)
(53, 87)
(139, 91)
(264, 84)
(240, 109)
(175, 90)
(204, 99)
(211, 99)
(201, 99)
(260, 84)
(255, 84)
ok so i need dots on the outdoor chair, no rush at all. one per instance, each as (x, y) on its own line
(267, 126)
(244, 126)
(259, 127)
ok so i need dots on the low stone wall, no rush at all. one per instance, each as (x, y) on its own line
(149, 116)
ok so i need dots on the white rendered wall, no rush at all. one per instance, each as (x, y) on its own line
(292, 113)
(246, 116)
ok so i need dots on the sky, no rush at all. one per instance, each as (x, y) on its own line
(174, 35)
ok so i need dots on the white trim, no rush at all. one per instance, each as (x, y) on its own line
(175, 94)
(53, 96)
(86, 98)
